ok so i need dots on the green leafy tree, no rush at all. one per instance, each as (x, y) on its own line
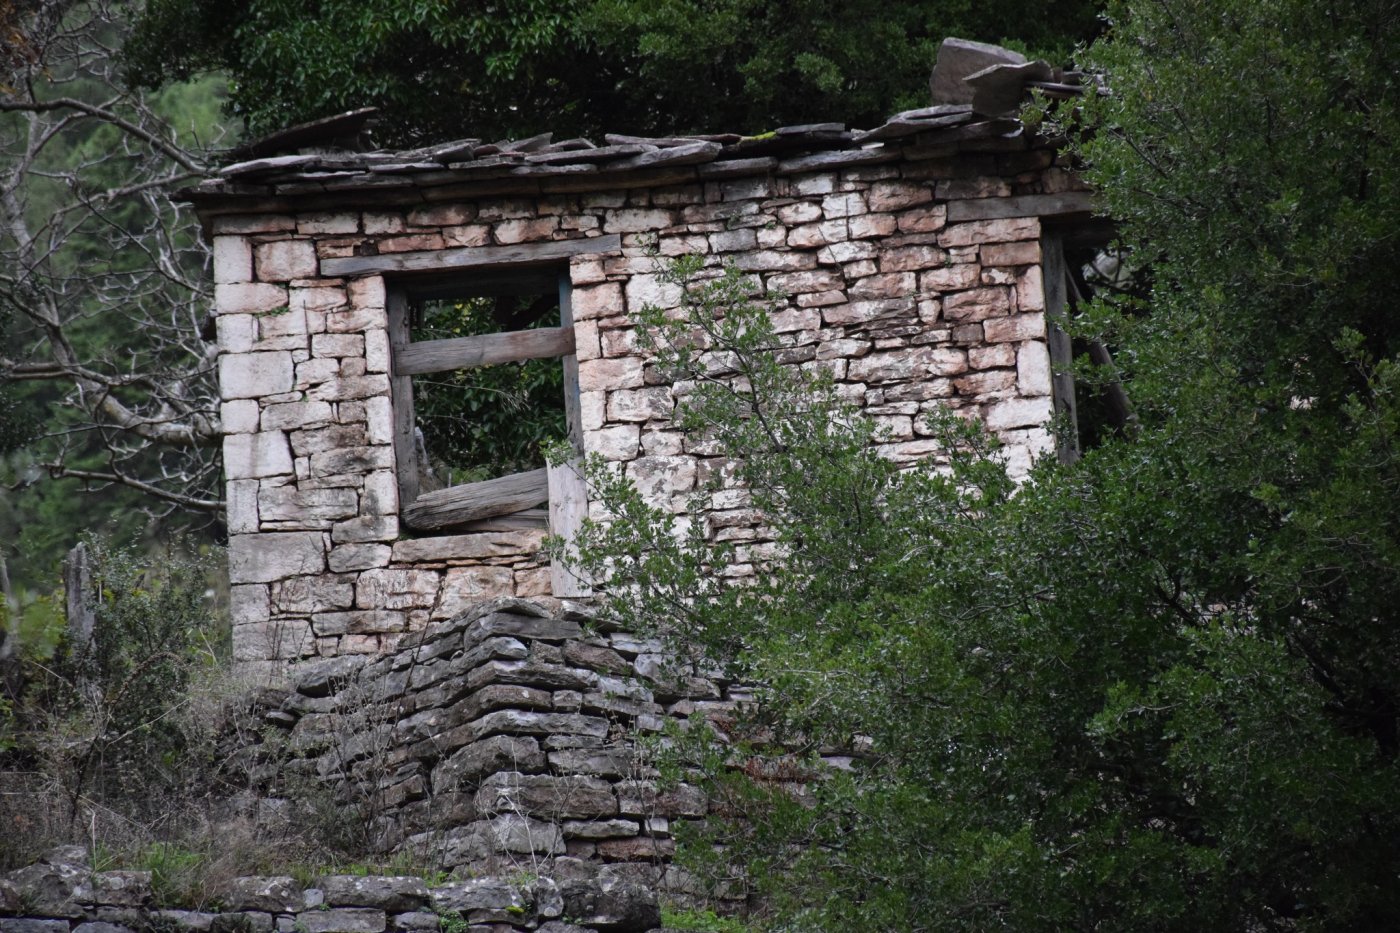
(441, 70)
(1158, 689)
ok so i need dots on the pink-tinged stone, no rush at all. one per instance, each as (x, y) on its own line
(980, 232)
(284, 260)
(617, 373)
(924, 219)
(524, 231)
(380, 222)
(464, 586)
(911, 258)
(891, 285)
(1030, 290)
(977, 304)
(990, 357)
(895, 195)
(597, 301)
(1015, 328)
(985, 382)
(249, 298)
(950, 278)
(1020, 253)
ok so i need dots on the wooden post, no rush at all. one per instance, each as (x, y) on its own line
(1061, 354)
(82, 617)
(568, 493)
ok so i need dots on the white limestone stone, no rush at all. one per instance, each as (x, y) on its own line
(233, 260)
(241, 506)
(1017, 413)
(1033, 369)
(377, 350)
(236, 332)
(239, 416)
(615, 442)
(275, 555)
(284, 260)
(250, 456)
(255, 375)
(249, 298)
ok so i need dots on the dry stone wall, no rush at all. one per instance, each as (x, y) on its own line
(505, 739)
(63, 894)
(906, 308)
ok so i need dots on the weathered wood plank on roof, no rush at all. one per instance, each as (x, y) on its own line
(1026, 205)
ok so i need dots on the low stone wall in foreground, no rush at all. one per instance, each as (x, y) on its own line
(63, 895)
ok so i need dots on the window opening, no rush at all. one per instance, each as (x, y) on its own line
(484, 377)
(483, 422)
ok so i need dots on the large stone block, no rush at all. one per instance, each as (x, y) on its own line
(254, 375)
(284, 260)
(263, 558)
(249, 298)
(249, 456)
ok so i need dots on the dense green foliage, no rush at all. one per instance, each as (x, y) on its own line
(105, 731)
(441, 70)
(1158, 689)
(491, 420)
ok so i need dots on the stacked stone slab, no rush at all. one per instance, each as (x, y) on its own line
(503, 739)
(62, 894)
(883, 278)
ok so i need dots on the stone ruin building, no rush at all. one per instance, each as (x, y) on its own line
(913, 257)
(438, 672)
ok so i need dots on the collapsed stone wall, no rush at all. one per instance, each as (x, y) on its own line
(907, 308)
(504, 739)
(63, 894)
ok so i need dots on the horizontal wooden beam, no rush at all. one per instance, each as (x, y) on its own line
(515, 521)
(470, 257)
(435, 356)
(457, 505)
(1026, 205)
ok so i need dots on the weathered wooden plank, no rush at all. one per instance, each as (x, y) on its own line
(573, 409)
(515, 521)
(435, 356)
(401, 401)
(1061, 353)
(439, 260)
(568, 506)
(456, 505)
(1026, 205)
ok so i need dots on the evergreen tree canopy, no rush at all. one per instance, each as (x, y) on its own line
(1156, 689)
(441, 69)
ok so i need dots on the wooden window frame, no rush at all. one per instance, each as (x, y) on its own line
(505, 502)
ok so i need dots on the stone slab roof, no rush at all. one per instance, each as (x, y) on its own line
(980, 88)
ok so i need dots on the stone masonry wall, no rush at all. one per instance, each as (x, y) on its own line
(502, 740)
(63, 894)
(906, 309)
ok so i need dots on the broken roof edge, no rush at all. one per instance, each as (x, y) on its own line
(973, 78)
